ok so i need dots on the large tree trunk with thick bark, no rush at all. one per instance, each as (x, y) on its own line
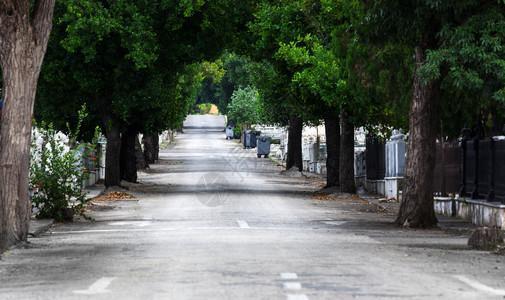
(24, 32)
(113, 149)
(332, 129)
(151, 148)
(128, 157)
(347, 183)
(417, 209)
(294, 157)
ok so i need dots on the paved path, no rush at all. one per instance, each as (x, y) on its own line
(212, 221)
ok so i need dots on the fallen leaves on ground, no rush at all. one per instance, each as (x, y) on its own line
(352, 197)
(499, 251)
(114, 196)
(151, 188)
(322, 197)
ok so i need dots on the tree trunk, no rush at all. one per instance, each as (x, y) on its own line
(151, 148)
(171, 134)
(139, 156)
(346, 172)
(294, 158)
(128, 158)
(23, 41)
(113, 149)
(332, 129)
(417, 209)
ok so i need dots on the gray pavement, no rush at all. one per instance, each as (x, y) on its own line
(212, 221)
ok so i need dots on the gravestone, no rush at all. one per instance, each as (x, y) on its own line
(395, 155)
(395, 164)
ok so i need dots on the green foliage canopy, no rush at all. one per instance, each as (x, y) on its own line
(243, 108)
(139, 54)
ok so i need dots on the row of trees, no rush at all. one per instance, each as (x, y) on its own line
(373, 63)
(348, 62)
(135, 63)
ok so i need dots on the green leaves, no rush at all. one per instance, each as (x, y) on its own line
(90, 22)
(213, 70)
(321, 70)
(57, 172)
(244, 106)
(190, 6)
(474, 53)
(141, 56)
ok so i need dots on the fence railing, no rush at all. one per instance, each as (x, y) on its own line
(375, 158)
(483, 169)
(448, 167)
(447, 179)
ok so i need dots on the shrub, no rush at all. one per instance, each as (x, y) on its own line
(204, 108)
(237, 130)
(57, 172)
(243, 108)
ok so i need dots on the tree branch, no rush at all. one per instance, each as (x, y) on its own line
(42, 21)
(319, 29)
(19, 6)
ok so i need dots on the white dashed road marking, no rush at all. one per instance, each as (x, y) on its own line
(242, 224)
(292, 286)
(99, 287)
(297, 297)
(289, 276)
(336, 223)
(479, 286)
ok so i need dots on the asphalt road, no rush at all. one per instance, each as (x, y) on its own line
(212, 221)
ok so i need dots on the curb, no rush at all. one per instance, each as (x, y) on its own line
(37, 227)
(390, 208)
(446, 223)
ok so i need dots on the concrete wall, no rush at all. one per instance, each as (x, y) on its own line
(478, 212)
(376, 186)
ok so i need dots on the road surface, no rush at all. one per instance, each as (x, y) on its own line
(212, 221)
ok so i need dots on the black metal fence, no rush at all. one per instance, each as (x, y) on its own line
(473, 167)
(447, 179)
(483, 175)
(375, 158)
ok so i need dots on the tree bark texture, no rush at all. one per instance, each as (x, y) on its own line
(151, 148)
(332, 129)
(346, 170)
(416, 209)
(113, 149)
(171, 134)
(294, 157)
(128, 158)
(139, 156)
(24, 33)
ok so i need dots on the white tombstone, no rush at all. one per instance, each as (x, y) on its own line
(101, 164)
(395, 155)
(395, 163)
